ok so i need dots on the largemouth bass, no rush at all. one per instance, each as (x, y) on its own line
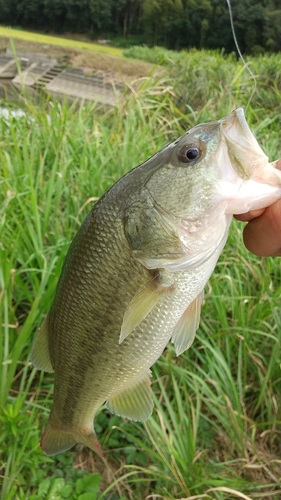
(134, 274)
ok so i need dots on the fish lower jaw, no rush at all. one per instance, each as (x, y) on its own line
(250, 195)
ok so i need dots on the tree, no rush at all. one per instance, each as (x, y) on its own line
(55, 13)
(8, 11)
(162, 20)
(249, 22)
(272, 27)
(30, 13)
(126, 15)
(100, 15)
(219, 34)
(77, 16)
(172, 23)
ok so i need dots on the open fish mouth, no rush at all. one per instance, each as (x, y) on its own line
(235, 125)
(253, 182)
(244, 151)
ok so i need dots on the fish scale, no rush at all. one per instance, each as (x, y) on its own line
(135, 273)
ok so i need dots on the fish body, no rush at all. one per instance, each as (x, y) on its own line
(134, 275)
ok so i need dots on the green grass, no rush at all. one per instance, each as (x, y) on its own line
(29, 36)
(208, 81)
(215, 431)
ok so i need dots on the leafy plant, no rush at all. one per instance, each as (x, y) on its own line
(85, 488)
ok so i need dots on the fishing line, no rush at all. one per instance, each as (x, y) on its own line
(246, 65)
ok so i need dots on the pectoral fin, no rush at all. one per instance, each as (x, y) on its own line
(141, 304)
(40, 355)
(184, 332)
(135, 402)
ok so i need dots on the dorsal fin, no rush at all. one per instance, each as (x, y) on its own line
(40, 354)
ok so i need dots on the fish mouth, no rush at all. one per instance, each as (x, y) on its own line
(251, 182)
(246, 156)
(236, 124)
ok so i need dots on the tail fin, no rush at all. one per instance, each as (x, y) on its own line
(56, 440)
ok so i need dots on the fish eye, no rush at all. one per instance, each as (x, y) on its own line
(189, 153)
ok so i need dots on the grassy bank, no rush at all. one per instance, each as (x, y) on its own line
(215, 431)
(58, 41)
(76, 53)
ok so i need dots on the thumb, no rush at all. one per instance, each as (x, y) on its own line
(262, 235)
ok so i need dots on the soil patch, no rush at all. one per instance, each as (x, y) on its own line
(90, 62)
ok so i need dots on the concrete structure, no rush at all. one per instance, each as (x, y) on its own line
(40, 73)
(76, 84)
(8, 67)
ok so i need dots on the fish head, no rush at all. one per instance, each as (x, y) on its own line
(215, 167)
(212, 172)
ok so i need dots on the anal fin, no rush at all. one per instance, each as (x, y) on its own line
(184, 331)
(40, 355)
(135, 402)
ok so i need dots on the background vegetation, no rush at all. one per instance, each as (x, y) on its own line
(215, 431)
(172, 23)
(43, 41)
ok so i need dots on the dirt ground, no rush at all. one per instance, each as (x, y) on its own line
(89, 61)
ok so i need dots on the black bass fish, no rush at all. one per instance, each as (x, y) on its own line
(134, 274)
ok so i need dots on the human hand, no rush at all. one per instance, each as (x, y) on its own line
(262, 234)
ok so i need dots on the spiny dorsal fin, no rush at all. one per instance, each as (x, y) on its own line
(184, 331)
(40, 355)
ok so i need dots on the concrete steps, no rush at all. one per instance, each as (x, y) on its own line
(42, 74)
(9, 67)
(35, 73)
(47, 77)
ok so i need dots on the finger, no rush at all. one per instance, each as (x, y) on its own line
(277, 164)
(262, 236)
(256, 213)
(252, 214)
